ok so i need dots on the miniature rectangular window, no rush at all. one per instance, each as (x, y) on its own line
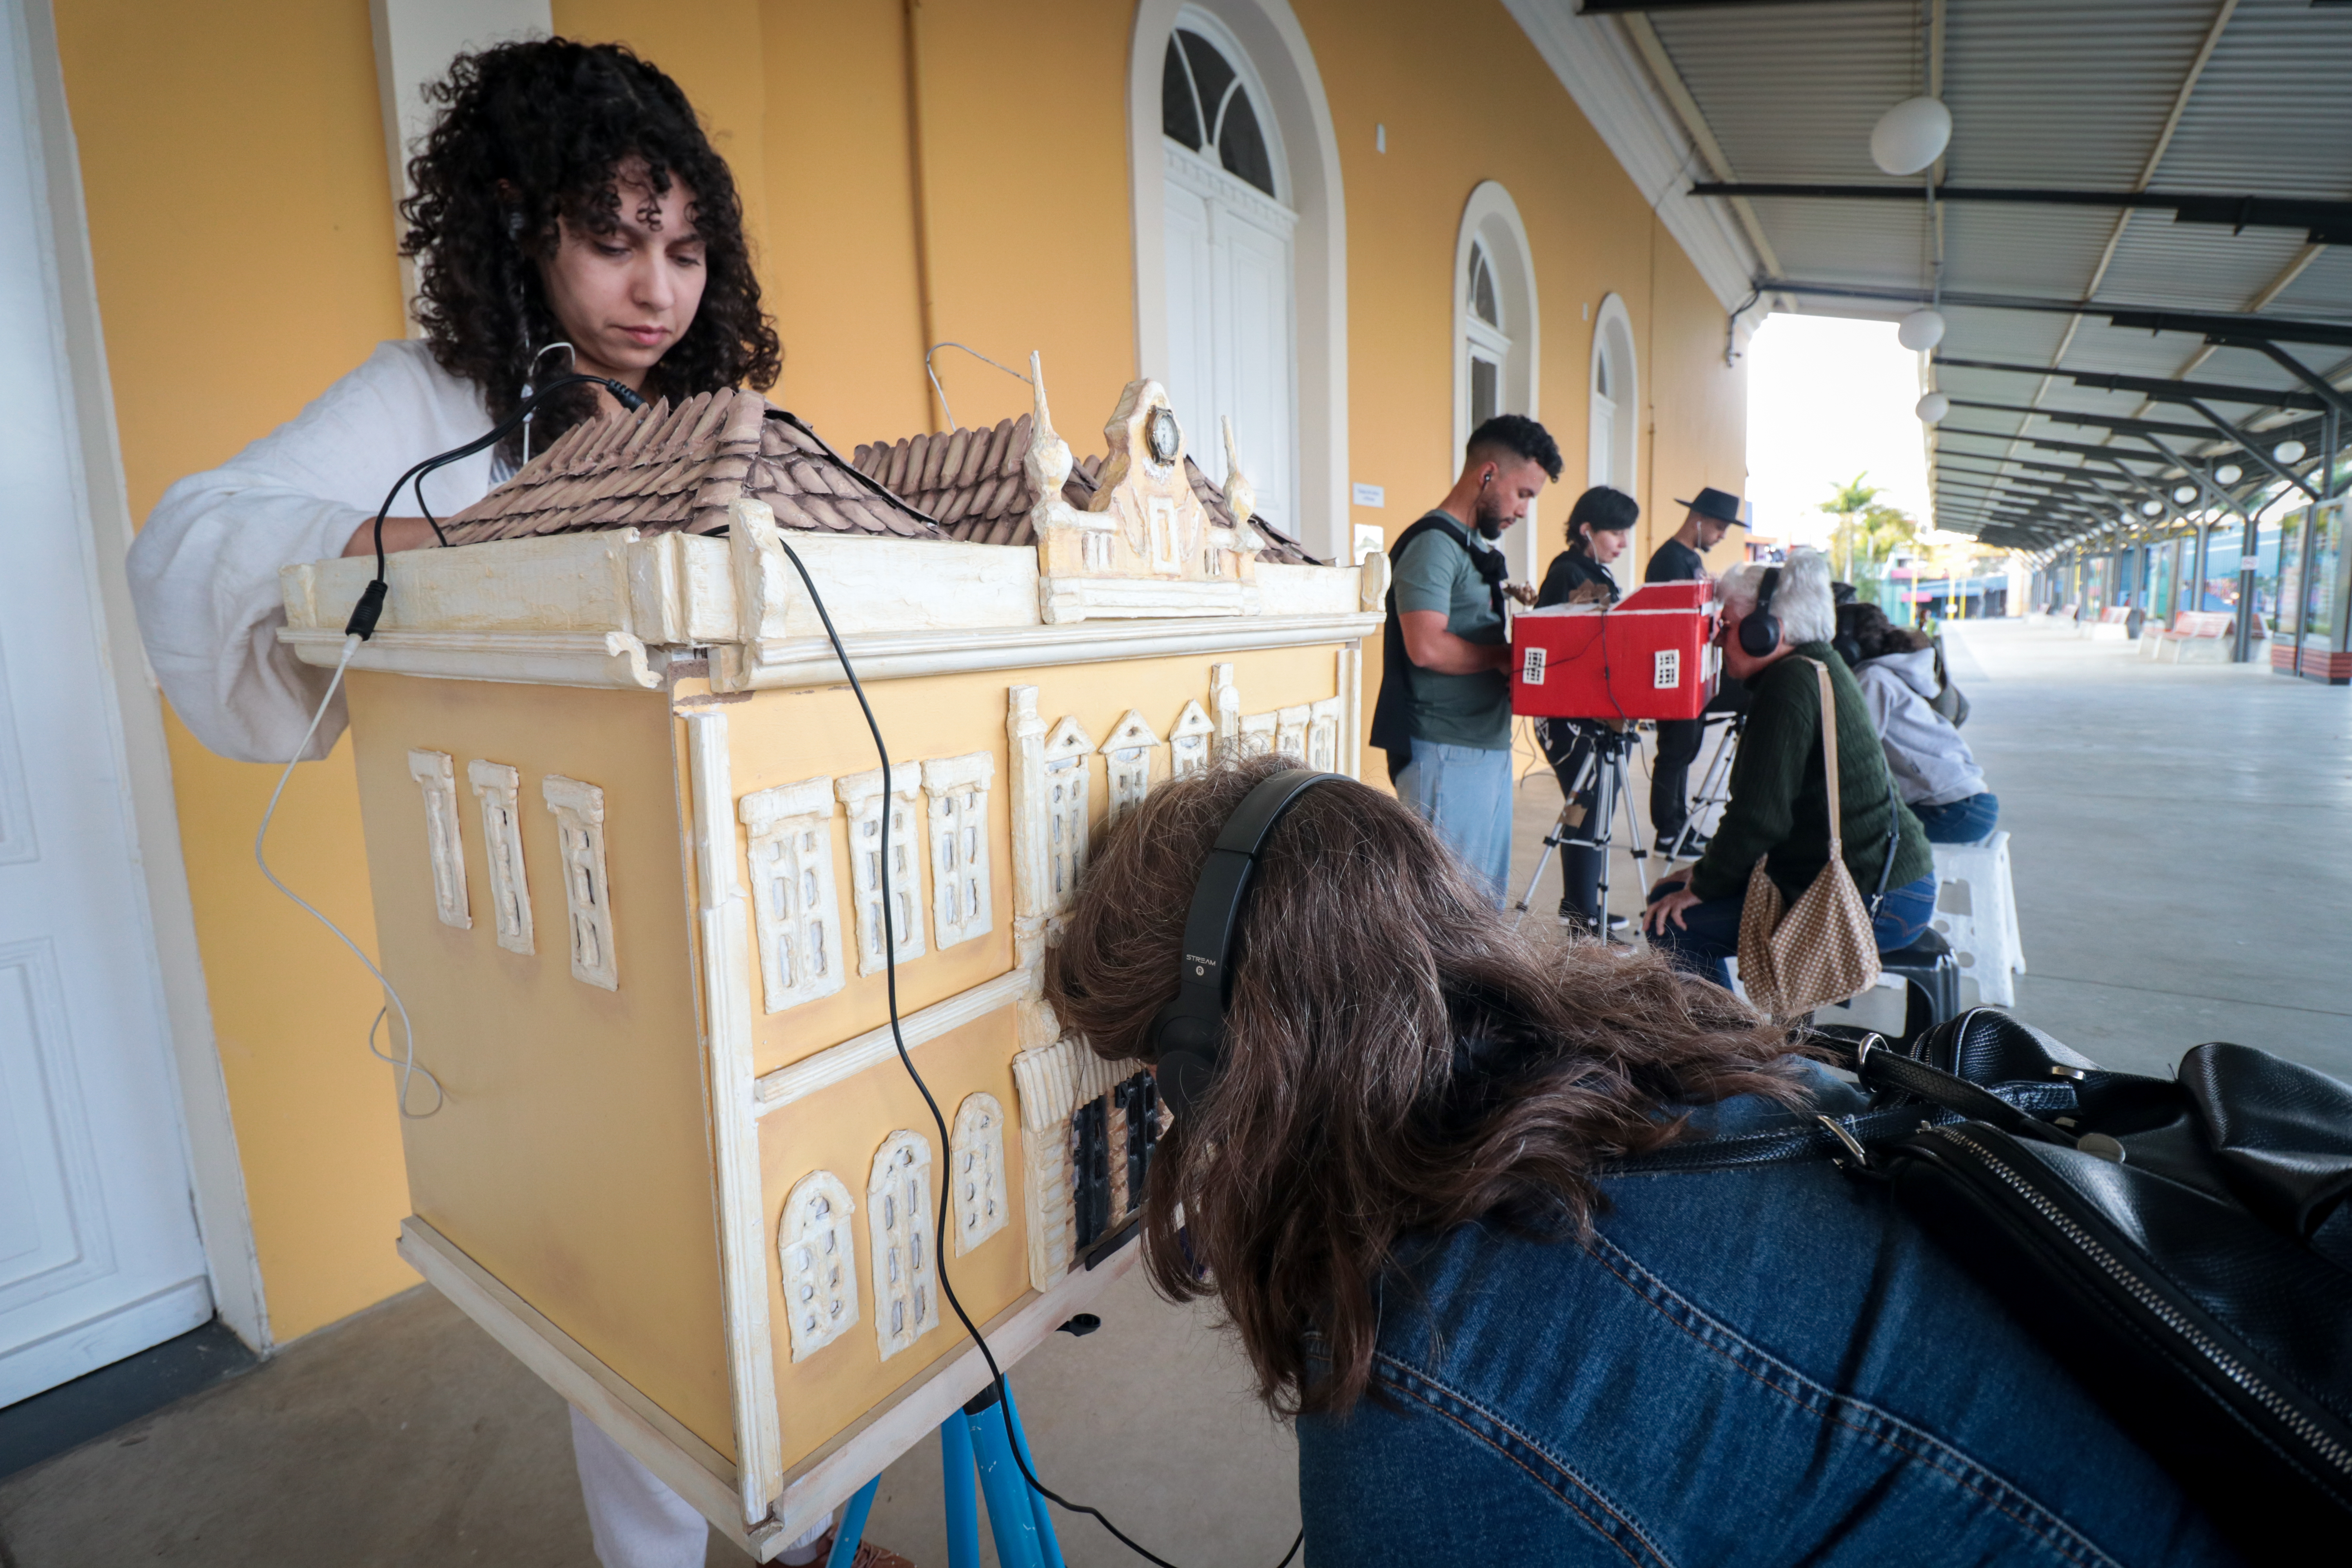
(436, 775)
(957, 791)
(861, 795)
(898, 1218)
(578, 811)
(797, 908)
(818, 1251)
(496, 785)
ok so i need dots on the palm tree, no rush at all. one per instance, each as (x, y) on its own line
(1848, 502)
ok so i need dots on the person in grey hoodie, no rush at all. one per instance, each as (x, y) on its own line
(1934, 770)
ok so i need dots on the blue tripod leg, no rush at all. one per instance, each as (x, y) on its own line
(962, 1499)
(1010, 1520)
(1046, 1540)
(852, 1528)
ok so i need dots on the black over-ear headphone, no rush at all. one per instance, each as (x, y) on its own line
(1188, 1037)
(1760, 628)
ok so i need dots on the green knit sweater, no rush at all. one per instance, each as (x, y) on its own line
(1779, 801)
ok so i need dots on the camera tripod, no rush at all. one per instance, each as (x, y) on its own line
(1713, 786)
(1603, 771)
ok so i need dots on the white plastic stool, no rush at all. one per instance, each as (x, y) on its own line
(1975, 910)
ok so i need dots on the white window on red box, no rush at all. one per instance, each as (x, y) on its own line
(1667, 672)
(1531, 666)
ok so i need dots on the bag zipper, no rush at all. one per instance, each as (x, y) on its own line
(2153, 1301)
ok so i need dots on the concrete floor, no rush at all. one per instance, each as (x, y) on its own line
(2157, 811)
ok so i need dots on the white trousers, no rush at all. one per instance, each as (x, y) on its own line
(634, 1518)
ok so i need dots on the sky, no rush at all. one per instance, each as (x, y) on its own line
(1829, 398)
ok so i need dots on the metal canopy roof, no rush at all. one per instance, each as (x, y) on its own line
(2083, 101)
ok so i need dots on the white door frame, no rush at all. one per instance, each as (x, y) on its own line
(216, 1177)
(1276, 46)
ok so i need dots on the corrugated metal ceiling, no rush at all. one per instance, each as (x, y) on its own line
(2056, 94)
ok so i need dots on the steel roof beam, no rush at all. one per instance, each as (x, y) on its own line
(2251, 327)
(2324, 222)
(2098, 421)
(2155, 387)
(2235, 331)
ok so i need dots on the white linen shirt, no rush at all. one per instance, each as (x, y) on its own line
(204, 571)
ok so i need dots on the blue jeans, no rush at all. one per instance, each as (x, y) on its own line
(1962, 821)
(1464, 792)
(1710, 931)
(1769, 1365)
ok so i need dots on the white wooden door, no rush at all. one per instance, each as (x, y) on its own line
(98, 1252)
(1233, 329)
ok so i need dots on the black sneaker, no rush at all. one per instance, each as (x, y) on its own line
(1687, 844)
(1574, 919)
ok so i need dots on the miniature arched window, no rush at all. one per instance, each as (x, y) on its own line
(1231, 298)
(899, 1217)
(1496, 328)
(976, 1171)
(818, 1251)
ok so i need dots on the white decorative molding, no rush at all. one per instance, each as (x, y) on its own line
(1126, 753)
(1052, 1082)
(496, 786)
(836, 1064)
(722, 927)
(1068, 824)
(976, 1171)
(956, 791)
(899, 655)
(436, 775)
(578, 811)
(1351, 707)
(16, 840)
(534, 658)
(1323, 732)
(817, 1249)
(1188, 741)
(898, 1222)
(1026, 747)
(1225, 709)
(796, 907)
(862, 794)
(1290, 732)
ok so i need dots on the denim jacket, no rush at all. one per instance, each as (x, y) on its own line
(1766, 1366)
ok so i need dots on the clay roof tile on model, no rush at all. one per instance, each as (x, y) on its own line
(973, 482)
(662, 468)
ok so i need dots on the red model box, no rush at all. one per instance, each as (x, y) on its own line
(1650, 656)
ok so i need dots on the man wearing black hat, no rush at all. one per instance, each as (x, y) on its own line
(1711, 514)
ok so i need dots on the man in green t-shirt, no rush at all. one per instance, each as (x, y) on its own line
(1445, 709)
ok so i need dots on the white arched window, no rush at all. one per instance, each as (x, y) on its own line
(1494, 330)
(1616, 400)
(1232, 309)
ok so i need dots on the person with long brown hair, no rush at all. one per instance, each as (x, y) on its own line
(1455, 1197)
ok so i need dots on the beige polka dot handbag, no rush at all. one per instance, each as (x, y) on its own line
(1819, 949)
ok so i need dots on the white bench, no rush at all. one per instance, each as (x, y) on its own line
(2112, 625)
(2195, 636)
(1975, 910)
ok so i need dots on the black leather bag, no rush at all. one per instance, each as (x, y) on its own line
(2183, 1245)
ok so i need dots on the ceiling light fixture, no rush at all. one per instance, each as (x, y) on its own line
(2288, 451)
(1920, 331)
(2228, 474)
(1932, 408)
(1911, 135)
(2184, 494)
(2151, 508)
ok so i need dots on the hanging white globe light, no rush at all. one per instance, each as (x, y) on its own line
(1932, 408)
(2184, 494)
(1920, 331)
(2151, 508)
(1911, 135)
(2288, 451)
(2228, 474)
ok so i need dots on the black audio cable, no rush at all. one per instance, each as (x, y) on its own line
(940, 1236)
(369, 608)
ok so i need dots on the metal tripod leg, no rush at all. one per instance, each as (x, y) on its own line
(1558, 834)
(1616, 790)
(1715, 788)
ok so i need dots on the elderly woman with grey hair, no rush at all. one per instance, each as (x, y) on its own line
(1779, 811)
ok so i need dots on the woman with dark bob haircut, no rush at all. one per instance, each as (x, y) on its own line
(1401, 1188)
(568, 214)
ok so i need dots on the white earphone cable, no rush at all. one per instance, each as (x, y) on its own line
(406, 1060)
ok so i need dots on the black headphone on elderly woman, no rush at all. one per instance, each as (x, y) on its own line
(1760, 628)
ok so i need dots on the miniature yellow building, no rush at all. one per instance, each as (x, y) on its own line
(624, 824)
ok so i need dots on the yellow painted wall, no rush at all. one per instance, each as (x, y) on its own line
(240, 216)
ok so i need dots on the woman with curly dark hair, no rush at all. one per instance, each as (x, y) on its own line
(569, 213)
